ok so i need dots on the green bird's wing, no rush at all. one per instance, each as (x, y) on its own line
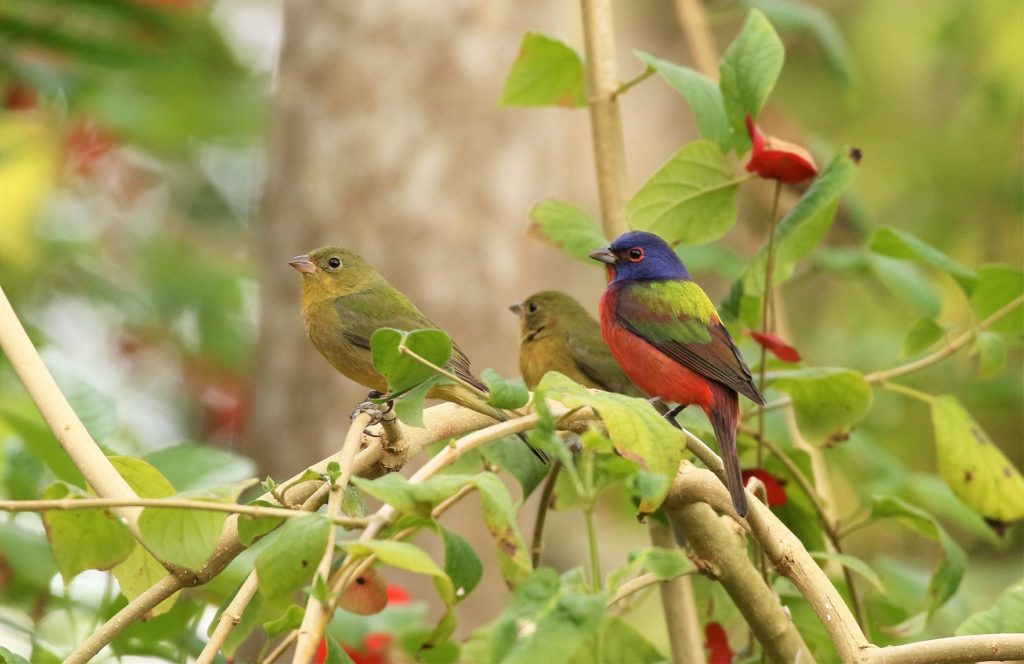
(592, 357)
(365, 312)
(677, 318)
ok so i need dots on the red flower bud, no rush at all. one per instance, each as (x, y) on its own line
(775, 159)
(777, 346)
(717, 643)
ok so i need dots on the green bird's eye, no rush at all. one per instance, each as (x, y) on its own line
(532, 307)
(334, 262)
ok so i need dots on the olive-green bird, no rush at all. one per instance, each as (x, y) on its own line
(345, 300)
(557, 334)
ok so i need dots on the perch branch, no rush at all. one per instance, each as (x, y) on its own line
(974, 648)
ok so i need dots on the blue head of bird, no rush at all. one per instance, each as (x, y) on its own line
(641, 256)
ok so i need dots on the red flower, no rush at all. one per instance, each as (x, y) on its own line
(19, 97)
(374, 651)
(397, 595)
(773, 489)
(86, 144)
(777, 346)
(717, 643)
(775, 159)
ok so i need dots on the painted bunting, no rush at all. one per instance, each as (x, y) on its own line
(557, 334)
(345, 300)
(666, 334)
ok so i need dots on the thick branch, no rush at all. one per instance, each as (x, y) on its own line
(605, 121)
(722, 547)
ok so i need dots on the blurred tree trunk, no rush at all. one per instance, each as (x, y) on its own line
(387, 139)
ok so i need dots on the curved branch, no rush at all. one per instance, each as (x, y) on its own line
(974, 648)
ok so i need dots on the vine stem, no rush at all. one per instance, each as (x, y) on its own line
(685, 637)
(767, 311)
(537, 542)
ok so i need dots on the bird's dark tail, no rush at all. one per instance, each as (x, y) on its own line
(724, 418)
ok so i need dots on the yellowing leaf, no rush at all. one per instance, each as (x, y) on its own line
(28, 160)
(639, 433)
(974, 468)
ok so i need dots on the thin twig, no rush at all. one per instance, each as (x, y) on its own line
(316, 613)
(694, 22)
(766, 309)
(543, 507)
(637, 584)
(405, 350)
(167, 503)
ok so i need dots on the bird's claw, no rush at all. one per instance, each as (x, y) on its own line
(672, 414)
(374, 410)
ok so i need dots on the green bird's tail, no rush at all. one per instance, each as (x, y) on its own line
(458, 394)
(724, 416)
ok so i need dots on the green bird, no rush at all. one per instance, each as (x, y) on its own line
(345, 300)
(557, 334)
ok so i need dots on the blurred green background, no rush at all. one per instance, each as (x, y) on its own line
(134, 234)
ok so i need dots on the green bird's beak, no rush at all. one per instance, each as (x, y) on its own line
(604, 254)
(303, 264)
(516, 308)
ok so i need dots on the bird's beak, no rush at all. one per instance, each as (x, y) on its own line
(604, 254)
(516, 308)
(303, 264)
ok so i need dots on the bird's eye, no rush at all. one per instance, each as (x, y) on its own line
(334, 262)
(636, 254)
(532, 307)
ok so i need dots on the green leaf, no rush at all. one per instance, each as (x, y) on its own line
(509, 454)
(500, 519)
(619, 642)
(409, 408)
(545, 620)
(800, 16)
(974, 468)
(461, 564)
(895, 243)
(417, 499)
(335, 653)
(413, 559)
(84, 539)
(828, 402)
(38, 439)
(991, 351)
(922, 335)
(566, 227)
(286, 622)
(8, 657)
(796, 235)
(193, 466)
(854, 564)
(950, 570)
(747, 73)
(701, 93)
(638, 431)
(251, 528)
(906, 281)
(546, 72)
(691, 199)
(145, 480)
(138, 573)
(290, 560)
(507, 393)
(402, 371)
(998, 285)
(1006, 616)
(186, 537)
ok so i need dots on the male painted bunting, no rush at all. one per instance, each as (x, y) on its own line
(666, 334)
(557, 334)
(345, 300)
